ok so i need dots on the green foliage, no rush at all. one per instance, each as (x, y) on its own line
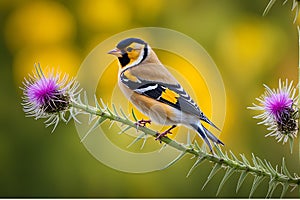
(256, 167)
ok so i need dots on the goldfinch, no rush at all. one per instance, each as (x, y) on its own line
(155, 92)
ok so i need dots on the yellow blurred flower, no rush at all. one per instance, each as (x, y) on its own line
(104, 15)
(62, 59)
(248, 48)
(39, 23)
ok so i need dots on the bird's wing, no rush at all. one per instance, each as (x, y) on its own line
(172, 94)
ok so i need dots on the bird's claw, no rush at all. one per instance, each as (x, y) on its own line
(142, 123)
(160, 135)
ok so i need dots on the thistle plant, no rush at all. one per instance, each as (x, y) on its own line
(52, 98)
(60, 99)
(295, 6)
(49, 97)
(280, 111)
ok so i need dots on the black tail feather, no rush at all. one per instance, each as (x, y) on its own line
(206, 135)
(212, 137)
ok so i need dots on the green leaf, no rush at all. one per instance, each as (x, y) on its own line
(219, 151)
(261, 164)
(284, 189)
(85, 98)
(228, 173)
(196, 164)
(96, 124)
(272, 188)
(162, 147)
(144, 142)
(79, 98)
(257, 180)
(254, 161)
(241, 180)
(246, 162)
(234, 157)
(188, 139)
(269, 6)
(136, 139)
(284, 168)
(125, 129)
(103, 104)
(133, 115)
(270, 168)
(115, 110)
(123, 114)
(271, 185)
(111, 124)
(214, 170)
(196, 146)
(97, 103)
(174, 161)
(291, 142)
(109, 111)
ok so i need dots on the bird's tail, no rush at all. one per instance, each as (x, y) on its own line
(206, 135)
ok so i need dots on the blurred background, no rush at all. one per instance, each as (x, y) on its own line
(248, 49)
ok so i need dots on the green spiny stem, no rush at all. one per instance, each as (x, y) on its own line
(298, 28)
(222, 160)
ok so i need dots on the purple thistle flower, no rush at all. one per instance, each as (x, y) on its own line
(280, 113)
(49, 97)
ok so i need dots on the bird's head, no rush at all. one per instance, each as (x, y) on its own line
(131, 52)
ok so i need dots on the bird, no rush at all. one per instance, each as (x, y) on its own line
(155, 92)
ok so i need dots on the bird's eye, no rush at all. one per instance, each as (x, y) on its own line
(129, 49)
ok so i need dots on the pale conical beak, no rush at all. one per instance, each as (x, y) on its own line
(115, 52)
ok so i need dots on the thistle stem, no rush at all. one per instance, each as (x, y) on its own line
(298, 28)
(221, 158)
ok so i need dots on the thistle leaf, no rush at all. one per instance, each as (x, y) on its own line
(85, 98)
(219, 151)
(269, 6)
(272, 188)
(254, 161)
(284, 168)
(125, 129)
(196, 164)
(270, 168)
(144, 142)
(214, 170)
(115, 110)
(228, 173)
(109, 111)
(79, 98)
(271, 185)
(134, 116)
(188, 139)
(241, 180)
(291, 142)
(111, 124)
(246, 162)
(261, 164)
(174, 161)
(122, 112)
(234, 157)
(162, 147)
(97, 103)
(103, 104)
(284, 189)
(257, 180)
(196, 146)
(96, 124)
(136, 139)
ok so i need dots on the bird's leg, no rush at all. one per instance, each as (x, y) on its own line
(143, 122)
(160, 135)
